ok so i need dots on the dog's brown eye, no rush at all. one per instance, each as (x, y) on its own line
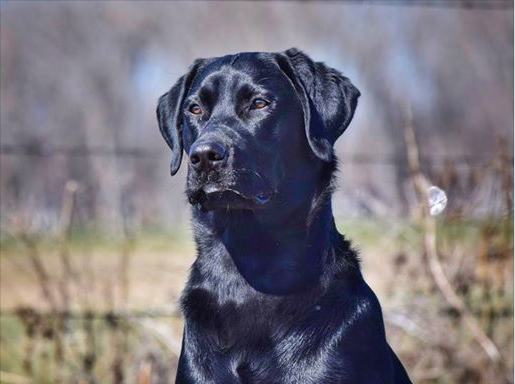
(259, 103)
(195, 109)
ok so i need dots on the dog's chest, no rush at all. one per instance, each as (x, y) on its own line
(258, 341)
(230, 322)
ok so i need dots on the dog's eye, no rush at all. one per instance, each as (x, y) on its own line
(195, 109)
(259, 103)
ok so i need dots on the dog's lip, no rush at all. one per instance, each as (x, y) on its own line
(260, 198)
(212, 191)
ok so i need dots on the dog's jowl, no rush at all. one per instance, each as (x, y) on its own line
(276, 294)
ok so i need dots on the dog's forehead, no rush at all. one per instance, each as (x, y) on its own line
(254, 68)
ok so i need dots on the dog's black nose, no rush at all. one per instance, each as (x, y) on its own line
(204, 156)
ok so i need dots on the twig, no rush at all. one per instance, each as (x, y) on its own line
(67, 208)
(40, 270)
(506, 174)
(422, 184)
(145, 372)
(408, 325)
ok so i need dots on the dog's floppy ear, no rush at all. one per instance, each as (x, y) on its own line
(328, 99)
(169, 115)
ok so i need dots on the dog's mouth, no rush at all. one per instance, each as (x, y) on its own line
(212, 197)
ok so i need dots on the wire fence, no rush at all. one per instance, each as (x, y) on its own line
(459, 4)
(135, 152)
(108, 315)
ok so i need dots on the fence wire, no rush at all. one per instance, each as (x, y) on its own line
(134, 152)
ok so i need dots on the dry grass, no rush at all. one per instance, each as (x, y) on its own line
(130, 342)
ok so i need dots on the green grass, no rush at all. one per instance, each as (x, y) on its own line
(88, 238)
(362, 232)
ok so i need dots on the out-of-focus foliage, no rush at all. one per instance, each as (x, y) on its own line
(90, 277)
(80, 81)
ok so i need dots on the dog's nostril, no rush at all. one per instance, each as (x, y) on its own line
(195, 159)
(215, 156)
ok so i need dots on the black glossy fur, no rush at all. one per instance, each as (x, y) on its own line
(276, 294)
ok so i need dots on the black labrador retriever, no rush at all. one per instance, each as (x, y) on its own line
(276, 294)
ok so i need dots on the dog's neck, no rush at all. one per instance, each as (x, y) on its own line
(277, 251)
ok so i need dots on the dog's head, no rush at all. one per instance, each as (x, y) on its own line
(254, 125)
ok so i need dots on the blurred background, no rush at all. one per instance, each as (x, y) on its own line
(95, 238)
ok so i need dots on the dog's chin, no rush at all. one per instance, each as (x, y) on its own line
(212, 198)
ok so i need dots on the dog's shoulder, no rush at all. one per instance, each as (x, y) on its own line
(359, 334)
(341, 331)
(346, 305)
(352, 303)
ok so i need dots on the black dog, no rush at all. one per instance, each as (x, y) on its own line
(276, 294)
